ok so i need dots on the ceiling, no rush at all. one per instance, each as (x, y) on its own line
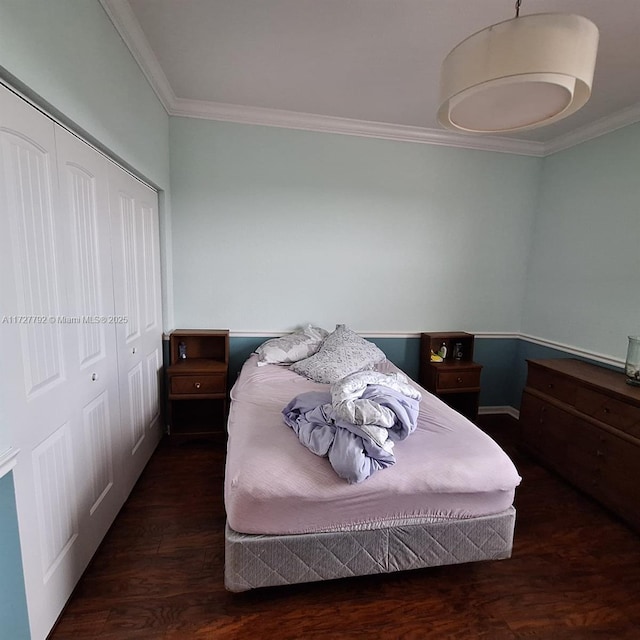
(363, 67)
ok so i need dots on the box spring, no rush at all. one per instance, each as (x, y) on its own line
(253, 561)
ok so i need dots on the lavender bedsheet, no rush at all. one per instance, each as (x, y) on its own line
(446, 469)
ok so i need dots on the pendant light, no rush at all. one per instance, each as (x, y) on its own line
(519, 74)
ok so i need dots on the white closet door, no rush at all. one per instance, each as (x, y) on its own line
(38, 399)
(80, 338)
(84, 197)
(136, 275)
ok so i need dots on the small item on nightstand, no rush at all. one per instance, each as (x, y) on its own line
(182, 351)
(632, 364)
(457, 351)
(443, 350)
(435, 357)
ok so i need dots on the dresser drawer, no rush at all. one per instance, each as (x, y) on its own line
(590, 420)
(194, 385)
(546, 430)
(622, 472)
(588, 453)
(459, 379)
(620, 415)
(552, 384)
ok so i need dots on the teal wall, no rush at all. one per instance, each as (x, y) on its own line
(276, 227)
(14, 621)
(403, 352)
(496, 355)
(503, 360)
(582, 282)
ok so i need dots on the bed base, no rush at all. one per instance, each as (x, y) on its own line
(254, 561)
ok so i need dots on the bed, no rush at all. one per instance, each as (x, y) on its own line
(448, 498)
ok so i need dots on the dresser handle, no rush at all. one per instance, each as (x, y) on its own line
(606, 409)
(196, 385)
(460, 380)
(550, 385)
(599, 454)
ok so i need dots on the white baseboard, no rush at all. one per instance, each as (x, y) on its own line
(500, 410)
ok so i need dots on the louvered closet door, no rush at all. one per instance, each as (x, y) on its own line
(40, 368)
(136, 275)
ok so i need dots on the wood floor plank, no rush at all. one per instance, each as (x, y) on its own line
(158, 575)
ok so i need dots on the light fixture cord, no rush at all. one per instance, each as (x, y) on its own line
(518, 3)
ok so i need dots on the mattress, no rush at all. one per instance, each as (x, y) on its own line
(447, 470)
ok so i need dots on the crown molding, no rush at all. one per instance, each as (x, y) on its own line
(595, 129)
(127, 25)
(124, 20)
(347, 126)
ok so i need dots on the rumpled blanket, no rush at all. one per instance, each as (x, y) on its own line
(356, 424)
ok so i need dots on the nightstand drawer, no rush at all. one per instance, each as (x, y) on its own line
(459, 379)
(193, 385)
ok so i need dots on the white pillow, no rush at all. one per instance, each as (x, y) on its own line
(292, 347)
(343, 352)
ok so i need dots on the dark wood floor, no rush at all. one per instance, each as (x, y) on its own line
(575, 573)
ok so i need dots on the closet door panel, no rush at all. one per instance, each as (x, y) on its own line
(37, 400)
(152, 316)
(135, 238)
(84, 197)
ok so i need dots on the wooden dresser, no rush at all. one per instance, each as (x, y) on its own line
(583, 421)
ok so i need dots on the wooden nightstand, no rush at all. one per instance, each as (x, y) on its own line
(197, 381)
(456, 380)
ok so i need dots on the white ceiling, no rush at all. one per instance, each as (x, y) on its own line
(365, 67)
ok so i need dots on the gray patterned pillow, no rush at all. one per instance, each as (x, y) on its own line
(292, 347)
(343, 352)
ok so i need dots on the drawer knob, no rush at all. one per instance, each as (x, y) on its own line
(550, 385)
(196, 385)
(606, 409)
(459, 380)
(600, 454)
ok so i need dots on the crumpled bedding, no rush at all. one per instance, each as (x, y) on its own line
(352, 404)
(356, 424)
